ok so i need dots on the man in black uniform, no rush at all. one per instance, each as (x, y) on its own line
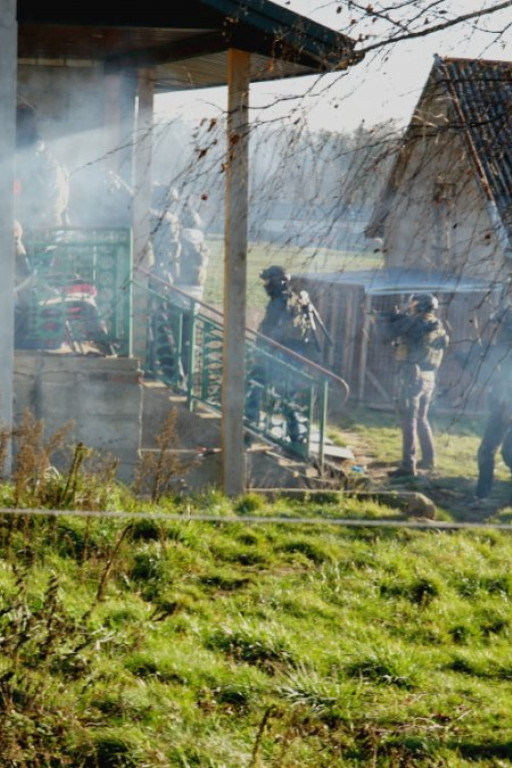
(420, 339)
(498, 429)
(288, 320)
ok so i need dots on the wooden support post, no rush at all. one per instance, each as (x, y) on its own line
(8, 86)
(120, 98)
(235, 274)
(363, 354)
(142, 249)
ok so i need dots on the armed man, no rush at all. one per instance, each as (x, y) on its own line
(292, 320)
(419, 339)
(498, 429)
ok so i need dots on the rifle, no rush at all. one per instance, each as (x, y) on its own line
(396, 314)
(309, 309)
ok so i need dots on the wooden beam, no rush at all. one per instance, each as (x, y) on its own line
(142, 249)
(235, 274)
(200, 45)
(363, 353)
(8, 86)
(142, 149)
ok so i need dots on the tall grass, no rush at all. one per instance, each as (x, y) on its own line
(171, 642)
(325, 647)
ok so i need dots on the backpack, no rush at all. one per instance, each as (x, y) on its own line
(194, 258)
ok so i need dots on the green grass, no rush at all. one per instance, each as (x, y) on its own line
(173, 642)
(377, 435)
(296, 260)
(252, 645)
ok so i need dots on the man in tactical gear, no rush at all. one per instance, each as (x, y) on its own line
(41, 185)
(181, 260)
(498, 429)
(290, 317)
(288, 320)
(419, 339)
(163, 353)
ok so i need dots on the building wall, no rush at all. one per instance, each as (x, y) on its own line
(80, 112)
(440, 216)
(102, 396)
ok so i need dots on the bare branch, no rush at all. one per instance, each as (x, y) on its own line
(409, 34)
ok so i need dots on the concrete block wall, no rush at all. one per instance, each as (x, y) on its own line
(101, 395)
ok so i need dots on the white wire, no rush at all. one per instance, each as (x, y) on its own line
(426, 524)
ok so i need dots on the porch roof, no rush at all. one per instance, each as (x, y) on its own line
(380, 282)
(185, 43)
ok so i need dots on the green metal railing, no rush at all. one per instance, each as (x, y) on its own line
(286, 394)
(101, 257)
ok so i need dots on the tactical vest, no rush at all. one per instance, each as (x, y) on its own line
(425, 345)
(193, 259)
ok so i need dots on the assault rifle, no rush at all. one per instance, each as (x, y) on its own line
(313, 319)
(396, 314)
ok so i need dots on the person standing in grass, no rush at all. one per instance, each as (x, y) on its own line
(419, 339)
(498, 429)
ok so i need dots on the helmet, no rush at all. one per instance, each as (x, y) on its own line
(274, 273)
(424, 302)
(276, 280)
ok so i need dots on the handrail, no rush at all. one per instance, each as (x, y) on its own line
(304, 360)
(166, 284)
(266, 339)
(286, 393)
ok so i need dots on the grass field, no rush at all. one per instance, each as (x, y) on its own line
(375, 438)
(296, 260)
(160, 640)
(226, 645)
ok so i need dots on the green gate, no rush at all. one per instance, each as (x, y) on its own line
(101, 257)
(193, 334)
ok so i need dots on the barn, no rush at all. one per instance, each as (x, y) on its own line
(350, 304)
(444, 220)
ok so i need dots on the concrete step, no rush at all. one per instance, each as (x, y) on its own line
(198, 448)
(201, 470)
(199, 429)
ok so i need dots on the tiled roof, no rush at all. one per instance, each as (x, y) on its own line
(398, 280)
(482, 97)
(480, 93)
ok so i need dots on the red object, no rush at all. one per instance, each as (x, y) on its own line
(83, 289)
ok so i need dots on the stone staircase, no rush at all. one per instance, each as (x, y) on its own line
(197, 445)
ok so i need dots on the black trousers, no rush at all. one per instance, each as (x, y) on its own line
(264, 379)
(498, 431)
(414, 399)
(163, 349)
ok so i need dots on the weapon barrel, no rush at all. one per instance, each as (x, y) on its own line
(322, 326)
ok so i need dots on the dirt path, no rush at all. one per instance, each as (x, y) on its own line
(452, 496)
